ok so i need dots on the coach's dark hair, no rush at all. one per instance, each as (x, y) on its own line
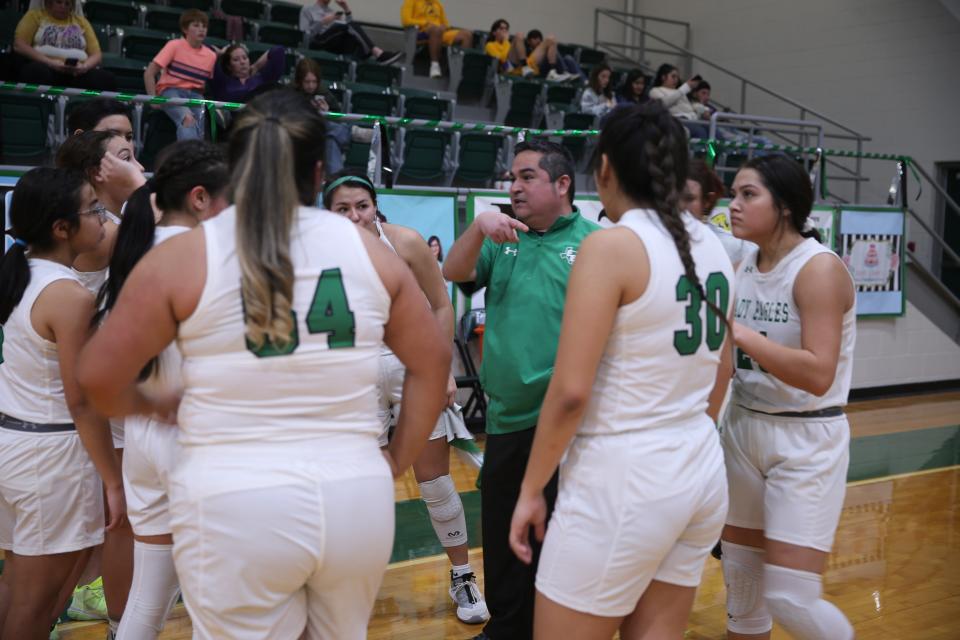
(789, 185)
(84, 151)
(647, 150)
(276, 143)
(42, 197)
(183, 166)
(348, 178)
(87, 115)
(554, 159)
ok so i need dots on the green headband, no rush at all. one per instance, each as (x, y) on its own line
(343, 179)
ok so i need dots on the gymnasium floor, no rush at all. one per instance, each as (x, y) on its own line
(895, 569)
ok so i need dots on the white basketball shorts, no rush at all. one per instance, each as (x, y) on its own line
(149, 455)
(390, 394)
(634, 507)
(787, 476)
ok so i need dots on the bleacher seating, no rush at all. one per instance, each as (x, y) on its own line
(253, 9)
(257, 49)
(128, 71)
(140, 44)
(477, 161)
(113, 12)
(203, 5)
(161, 18)
(24, 124)
(333, 67)
(425, 157)
(285, 12)
(278, 33)
(372, 73)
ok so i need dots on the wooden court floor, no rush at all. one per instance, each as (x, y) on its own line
(894, 571)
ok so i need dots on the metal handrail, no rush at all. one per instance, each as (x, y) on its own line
(744, 81)
(943, 243)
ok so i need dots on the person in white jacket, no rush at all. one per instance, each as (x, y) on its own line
(673, 95)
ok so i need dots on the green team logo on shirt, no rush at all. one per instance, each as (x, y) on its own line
(569, 254)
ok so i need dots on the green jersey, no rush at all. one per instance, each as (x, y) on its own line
(526, 285)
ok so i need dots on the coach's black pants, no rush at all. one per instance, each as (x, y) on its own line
(345, 39)
(508, 583)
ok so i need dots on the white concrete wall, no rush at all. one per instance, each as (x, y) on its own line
(903, 350)
(571, 22)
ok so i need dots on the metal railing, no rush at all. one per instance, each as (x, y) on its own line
(634, 55)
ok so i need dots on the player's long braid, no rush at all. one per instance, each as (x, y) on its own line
(183, 166)
(276, 148)
(657, 175)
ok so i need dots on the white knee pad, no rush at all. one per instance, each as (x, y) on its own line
(446, 510)
(793, 597)
(743, 576)
(153, 592)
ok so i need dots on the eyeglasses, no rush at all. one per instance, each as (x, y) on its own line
(100, 211)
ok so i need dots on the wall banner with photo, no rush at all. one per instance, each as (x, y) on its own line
(824, 218)
(432, 213)
(871, 245)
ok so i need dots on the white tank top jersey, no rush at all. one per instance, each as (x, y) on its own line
(384, 349)
(31, 388)
(765, 303)
(660, 362)
(324, 380)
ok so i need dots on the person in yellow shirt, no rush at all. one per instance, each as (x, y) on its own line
(58, 46)
(430, 19)
(511, 55)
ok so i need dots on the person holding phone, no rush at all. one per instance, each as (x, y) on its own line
(334, 31)
(57, 46)
(673, 95)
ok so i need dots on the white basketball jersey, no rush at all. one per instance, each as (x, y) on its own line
(31, 388)
(92, 280)
(661, 358)
(324, 380)
(765, 303)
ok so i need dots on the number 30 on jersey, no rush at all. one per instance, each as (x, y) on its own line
(717, 291)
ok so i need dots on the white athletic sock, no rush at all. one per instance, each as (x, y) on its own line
(153, 593)
(793, 597)
(460, 569)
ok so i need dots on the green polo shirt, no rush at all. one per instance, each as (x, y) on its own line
(526, 286)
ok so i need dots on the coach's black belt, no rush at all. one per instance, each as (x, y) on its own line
(15, 424)
(829, 412)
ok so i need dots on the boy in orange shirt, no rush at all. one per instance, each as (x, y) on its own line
(184, 66)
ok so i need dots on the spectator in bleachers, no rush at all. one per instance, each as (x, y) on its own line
(673, 95)
(60, 47)
(430, 19)
(306, 79)
(184, 66)
(101, 114)
(634, 89)
(547, 61)
(236, 80)
(700, 99)
(511, 55)
(336, 32)
(598, 98)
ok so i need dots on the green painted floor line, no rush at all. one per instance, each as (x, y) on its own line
(870, 457)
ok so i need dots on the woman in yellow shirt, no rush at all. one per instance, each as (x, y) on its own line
(512, 56)
(60, 47)
(430, 19)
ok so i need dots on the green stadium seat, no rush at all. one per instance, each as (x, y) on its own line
(8, 25)
(253, 9)
(113, 12)
(162, 18)
(277, 33)
(424, 156)
(203, 5)
(103, 38)
(285, 12)
(426, 108)
(378, 74)
(524, 108)
(591, 56)
(372, 100)
(141, 44)
(577, 121)
(477, 162)
(24, 123)
(128, 72)
(478, 72)
(332, 67)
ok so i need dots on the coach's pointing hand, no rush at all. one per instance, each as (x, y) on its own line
(500, 227)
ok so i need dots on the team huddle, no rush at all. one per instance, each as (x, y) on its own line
(237, 375)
